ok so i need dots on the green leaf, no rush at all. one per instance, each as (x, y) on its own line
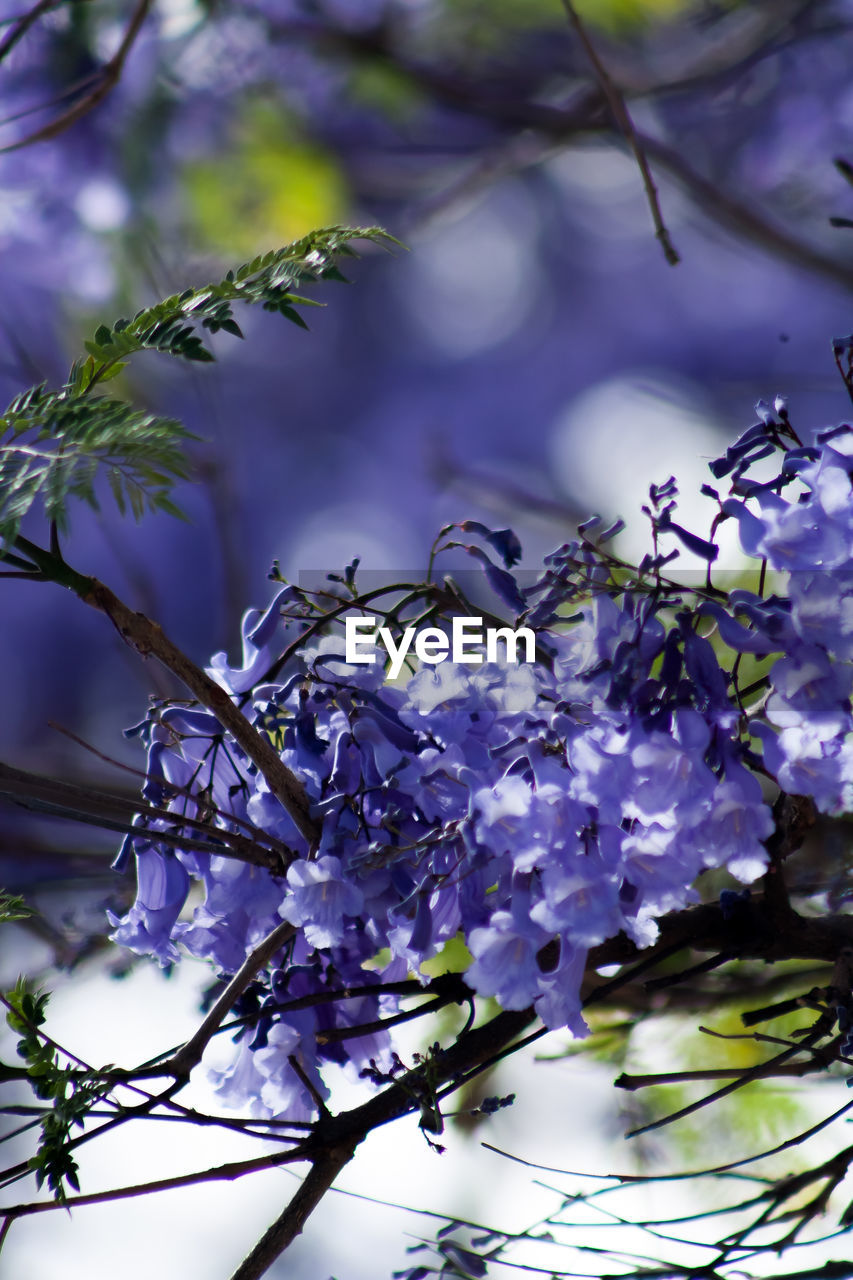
(56, 445)
(13, 907)
(69, 440)
(107, 375)
(270, 279)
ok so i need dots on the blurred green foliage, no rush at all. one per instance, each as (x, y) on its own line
(454, 957)
(619, 15)
(491, 20)
(270, 185)
(382, 87)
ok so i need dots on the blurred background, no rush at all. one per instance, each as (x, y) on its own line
(530, 358)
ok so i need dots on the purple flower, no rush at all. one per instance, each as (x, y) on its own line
(162, 885)
(319, 899)
(531, 811)
(559, 1001)
(505, 963)
(734, 826)
(259, 630)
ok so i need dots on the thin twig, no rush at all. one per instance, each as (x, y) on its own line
(713, 1171)
(116, 813)
(308, 1084)
(631, 1083)
(334, 1035)
(254, 833)
(580, 117)
(109, 77)
(617, 104)
(223, 1172)
(24, 23)
(746, 1077)
(746, 222)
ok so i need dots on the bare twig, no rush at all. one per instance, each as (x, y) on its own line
(218, 1173)
(254, 833)
(107, 80)
(763, 1069)
(795, 1070)
(745, 221)
(334, 1035)
(23, 24)
(116, 813)
(309, 1085)
(617, 104)
(337, 1137)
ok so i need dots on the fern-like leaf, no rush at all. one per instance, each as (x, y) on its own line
(56, 445)
(271, 280)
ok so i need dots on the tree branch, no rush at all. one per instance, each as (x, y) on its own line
(583, 114)
(190, 1055)
(291, 1222)
(148, 638)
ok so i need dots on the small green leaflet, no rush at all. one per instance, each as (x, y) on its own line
(270, 280)
(13, 907)
(57, 445)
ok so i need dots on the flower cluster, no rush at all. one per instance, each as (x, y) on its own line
(532, 810)
(809, 537)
